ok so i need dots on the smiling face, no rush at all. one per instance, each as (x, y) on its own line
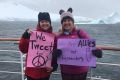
(44, 24)
(67, 25)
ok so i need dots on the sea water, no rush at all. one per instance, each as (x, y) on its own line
(105, 34)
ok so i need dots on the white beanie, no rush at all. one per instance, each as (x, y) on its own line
(66, 15)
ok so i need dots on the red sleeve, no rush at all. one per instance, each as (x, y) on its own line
(23, 45)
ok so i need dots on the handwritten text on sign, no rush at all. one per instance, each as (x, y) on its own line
(40, 48)
(77, 52)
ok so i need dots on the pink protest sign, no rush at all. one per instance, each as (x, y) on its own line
(40, 49)
(77, 52)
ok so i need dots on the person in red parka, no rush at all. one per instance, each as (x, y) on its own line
(68, 31)
(44, 25)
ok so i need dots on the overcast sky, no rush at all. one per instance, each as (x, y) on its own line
(86, 8)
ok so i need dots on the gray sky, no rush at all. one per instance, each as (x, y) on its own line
(86, 8)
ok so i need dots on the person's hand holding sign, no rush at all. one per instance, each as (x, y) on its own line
(97, 53)
(26, 34)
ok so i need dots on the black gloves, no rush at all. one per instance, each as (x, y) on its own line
(97, 53)
(26, 35)
(55, 66)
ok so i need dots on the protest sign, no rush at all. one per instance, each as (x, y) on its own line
(77, 52)
(40, 49)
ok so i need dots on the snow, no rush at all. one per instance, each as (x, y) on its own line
(111, 19)
(13, 12)
(16, 12)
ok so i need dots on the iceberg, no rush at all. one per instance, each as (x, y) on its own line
(111, 19)
(18, 12)
(10, 11)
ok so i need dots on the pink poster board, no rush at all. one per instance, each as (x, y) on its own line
(40, 49)
(77, 52)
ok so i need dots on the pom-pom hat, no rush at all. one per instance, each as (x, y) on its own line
(66, 14)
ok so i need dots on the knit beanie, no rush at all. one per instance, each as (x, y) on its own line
(44, 16)
(66, 14)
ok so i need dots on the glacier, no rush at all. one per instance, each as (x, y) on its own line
(18, 12)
